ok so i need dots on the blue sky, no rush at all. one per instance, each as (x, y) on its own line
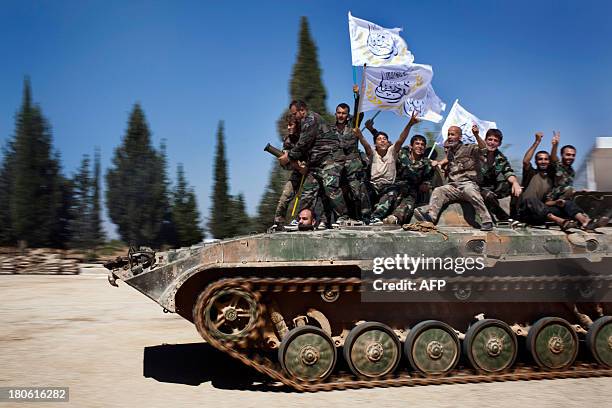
(528, 65)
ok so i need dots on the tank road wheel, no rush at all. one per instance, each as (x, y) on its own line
(372, 350)
(307, 353)
(432, 347)
(552, 343)
(490, 345)
(229, 314)
(599, 340)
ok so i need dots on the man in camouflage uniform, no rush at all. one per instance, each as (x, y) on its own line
(353, 172)
(414, 174)
(563, 172)
(321, 147)
(463, 169)
(498, 178)
(293, 184)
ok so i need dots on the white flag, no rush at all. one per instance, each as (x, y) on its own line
(376, 46)
(458, 116)
(402, 89)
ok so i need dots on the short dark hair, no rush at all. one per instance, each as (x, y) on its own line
(495, 132)
(381, 133)
(542, 152)
(298, 103)
(344, 106)
(567, 147)
(418, 137)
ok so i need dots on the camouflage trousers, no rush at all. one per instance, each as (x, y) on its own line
(325, 178)
(404, 207)
(491, 197)
(384, 198)
(467, 191)
(287, 195)
(353, 177)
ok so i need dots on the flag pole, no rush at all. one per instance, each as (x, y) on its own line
(361, 96)
(297, 197)
(433, 148)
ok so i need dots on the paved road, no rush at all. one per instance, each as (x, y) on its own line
(115, 348)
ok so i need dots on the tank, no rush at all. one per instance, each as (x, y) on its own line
(343, 308)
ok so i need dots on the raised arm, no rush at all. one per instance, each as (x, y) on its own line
(555, 145)
(369, 124)
(364, 142)
(476, 133)
(402, 137)
(529, 154)
(356, 106)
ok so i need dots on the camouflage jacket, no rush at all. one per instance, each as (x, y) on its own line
(317, 144)
(464, 163)
(563, 180)
(288, 143)
(348, 141)
(495, 172)
(412, 173)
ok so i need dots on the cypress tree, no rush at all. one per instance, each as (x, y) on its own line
(220, 225)
(6, 189)
(96, 211)
(241, 222)
(185, 214)
(38, 191)
(305, 84)
(136, 195)
(80, 226)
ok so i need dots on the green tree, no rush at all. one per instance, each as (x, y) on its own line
(80, 225)
(38, 191)
(185, 214)
(6, 189)
(96, 211)
(136, 196)
(241, 222)
(220, 224)
(305, 84)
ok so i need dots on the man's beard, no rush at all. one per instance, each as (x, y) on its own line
(451, 143)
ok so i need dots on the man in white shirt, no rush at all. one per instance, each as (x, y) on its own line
(382, 173)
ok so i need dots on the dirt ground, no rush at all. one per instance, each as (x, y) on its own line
(115, 348)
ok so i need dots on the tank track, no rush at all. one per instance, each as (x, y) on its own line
(241, 351)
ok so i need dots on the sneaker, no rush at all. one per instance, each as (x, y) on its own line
(486, 226)
(596, 223)
(423, 216)
(321, 227)
(294, 223)
(392, 219)
(376, 221)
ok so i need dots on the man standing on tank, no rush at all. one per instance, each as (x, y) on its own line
(498, 178)
(353, 172)
(320, 145)
(463, 163)
(292, 185)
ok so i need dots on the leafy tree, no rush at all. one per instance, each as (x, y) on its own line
(35, 188)
(305, 84)
(6, 189)
(136, 195)
(185, 214)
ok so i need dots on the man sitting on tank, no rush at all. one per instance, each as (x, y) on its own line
(563, 175)
(498, 178)
(383, 167)
(462, 165)
(414, 174)
(536, 204)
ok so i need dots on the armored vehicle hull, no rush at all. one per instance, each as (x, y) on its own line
(339, 308)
